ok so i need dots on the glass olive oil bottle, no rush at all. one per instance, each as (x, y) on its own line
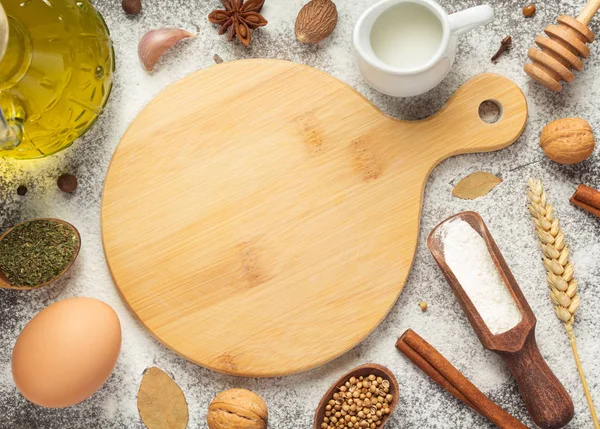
(55, 74)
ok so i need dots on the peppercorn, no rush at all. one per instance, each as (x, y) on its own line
(21, 190)
(529, 10)
(132, 7)
(67, 183)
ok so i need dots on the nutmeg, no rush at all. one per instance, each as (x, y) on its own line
(239, 409)
(316, 21)
(568, 140)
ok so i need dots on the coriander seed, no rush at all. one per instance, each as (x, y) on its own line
(361, 402)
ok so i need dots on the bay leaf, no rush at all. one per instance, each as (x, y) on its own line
(475, 185)
(161, 401)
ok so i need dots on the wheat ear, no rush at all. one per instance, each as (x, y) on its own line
(559, 269)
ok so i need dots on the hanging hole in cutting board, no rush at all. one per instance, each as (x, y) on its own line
(490, 111)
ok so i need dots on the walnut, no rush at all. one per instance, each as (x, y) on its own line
(237, 409)
(568, 140)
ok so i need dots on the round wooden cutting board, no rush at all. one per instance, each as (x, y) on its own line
(260, 217)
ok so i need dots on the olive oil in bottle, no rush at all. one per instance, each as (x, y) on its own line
(55, 76)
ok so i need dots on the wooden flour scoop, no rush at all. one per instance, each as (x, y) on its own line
(260, 217)
(547, 401)
(562, 49)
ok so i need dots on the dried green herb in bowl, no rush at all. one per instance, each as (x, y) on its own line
(36, 252)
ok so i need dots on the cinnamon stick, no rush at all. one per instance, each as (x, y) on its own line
(587, 198)
(436, 366)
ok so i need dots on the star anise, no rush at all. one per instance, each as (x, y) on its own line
(239, 17)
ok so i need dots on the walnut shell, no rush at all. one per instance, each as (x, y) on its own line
(568, 140)
(237, 409)
(315, 21)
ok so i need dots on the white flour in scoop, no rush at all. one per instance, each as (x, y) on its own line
(468, 257)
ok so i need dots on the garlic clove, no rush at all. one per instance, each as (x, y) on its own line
(156, 42)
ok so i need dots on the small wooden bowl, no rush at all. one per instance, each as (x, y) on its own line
(364, 370)
(5, 284)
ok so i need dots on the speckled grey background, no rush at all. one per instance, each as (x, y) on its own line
(292, 399)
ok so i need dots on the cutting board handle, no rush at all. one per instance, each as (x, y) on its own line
(468, 132)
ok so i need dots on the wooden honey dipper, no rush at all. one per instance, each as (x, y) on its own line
(562, 49)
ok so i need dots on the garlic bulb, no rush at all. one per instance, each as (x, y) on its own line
(155, 43)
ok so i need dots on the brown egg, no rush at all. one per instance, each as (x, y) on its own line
(66, 352)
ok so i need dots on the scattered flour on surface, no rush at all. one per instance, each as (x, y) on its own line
(588, 258)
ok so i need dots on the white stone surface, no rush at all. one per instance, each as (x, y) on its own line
(292, 400)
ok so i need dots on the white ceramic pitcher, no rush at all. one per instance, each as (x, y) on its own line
(406, 81)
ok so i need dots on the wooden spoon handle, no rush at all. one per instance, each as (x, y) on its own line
(469, 132)
(547, 401)
(589, 11)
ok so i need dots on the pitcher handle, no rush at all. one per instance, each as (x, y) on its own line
(466, 20)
